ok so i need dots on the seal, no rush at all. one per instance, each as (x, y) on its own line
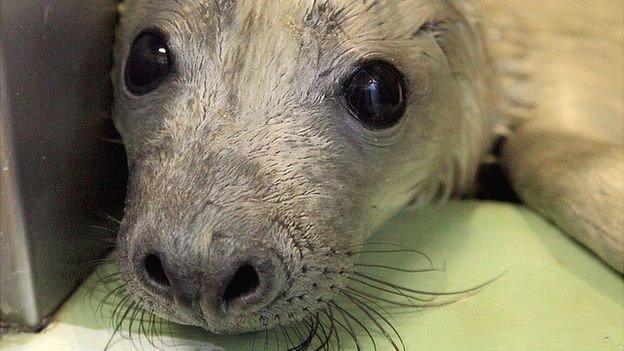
(266, 140)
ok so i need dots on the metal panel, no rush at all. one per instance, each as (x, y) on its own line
(58, 172)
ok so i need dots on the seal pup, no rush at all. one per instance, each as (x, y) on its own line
(265, 140)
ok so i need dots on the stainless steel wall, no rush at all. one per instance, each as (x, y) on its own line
(58, 173)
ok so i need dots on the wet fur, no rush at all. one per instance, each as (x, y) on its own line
(248, 147)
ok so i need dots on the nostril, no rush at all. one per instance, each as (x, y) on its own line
(244, 282)
(155, 271)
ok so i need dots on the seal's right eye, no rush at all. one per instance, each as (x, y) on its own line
(148, 64)
(375, 95)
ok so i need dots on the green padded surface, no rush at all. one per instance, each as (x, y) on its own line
(553, 295)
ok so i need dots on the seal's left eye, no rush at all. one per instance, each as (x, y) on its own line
(148, 64)
(375, 95)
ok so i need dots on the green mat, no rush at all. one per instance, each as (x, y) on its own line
(551, 293)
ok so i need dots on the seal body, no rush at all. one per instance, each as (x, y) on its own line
(251, 182)
(559, 69)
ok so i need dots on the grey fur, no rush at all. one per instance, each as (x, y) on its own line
(247, 149)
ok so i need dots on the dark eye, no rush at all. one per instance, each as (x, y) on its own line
(375, 95)
(148, 64)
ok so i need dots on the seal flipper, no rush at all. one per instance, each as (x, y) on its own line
(560, 92)
(575, 181)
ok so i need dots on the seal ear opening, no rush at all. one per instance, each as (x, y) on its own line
(244, 282)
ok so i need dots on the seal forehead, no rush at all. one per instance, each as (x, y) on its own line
(302, 40)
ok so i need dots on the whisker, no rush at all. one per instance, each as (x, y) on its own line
(348, 329)
(108, 278)
(390, 251)
(397, 291)
(383, 318)
(118, 324)
(277, 340)
(119, 307)
(287, 339)
(398, 269)
(297, 336)
(424, 292)
(106, 229)
(334, 331)
(304, 341)
(326, 337)
(160, 333)
(133, 317)
(312, 327)
(402, 249)
(392, 302)
(359, 305)
(150, 329)
(107, 216)
(141, 328)
(347, 292)
(359, 323)
(253, 343)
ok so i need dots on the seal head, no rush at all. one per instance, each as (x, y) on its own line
(267, 141)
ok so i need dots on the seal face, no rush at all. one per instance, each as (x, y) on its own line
(266, 140)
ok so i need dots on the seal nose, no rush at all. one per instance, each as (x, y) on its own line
(219, 289)
(240, 288)
(155, 270)
(243, 283)
(162, 279)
